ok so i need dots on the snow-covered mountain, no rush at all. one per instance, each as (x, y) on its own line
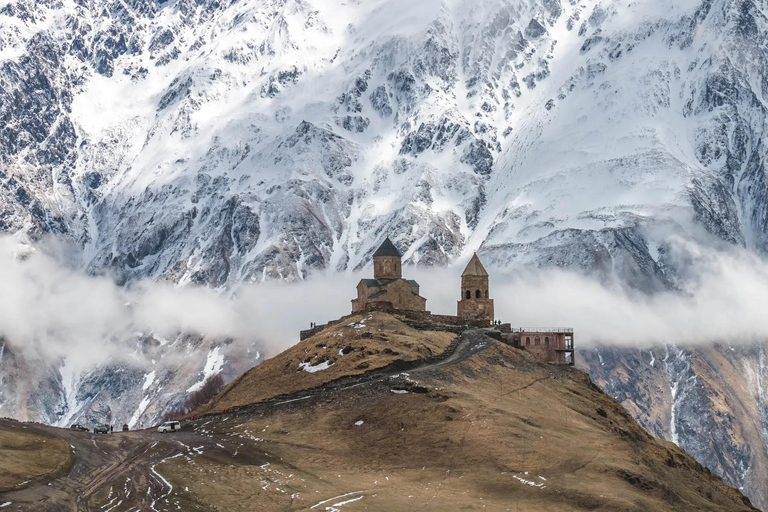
(218, 143)
(223, 142)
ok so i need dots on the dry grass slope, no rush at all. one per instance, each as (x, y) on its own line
(26, 457)
(497, 431)
(362, 343)
(486, 428)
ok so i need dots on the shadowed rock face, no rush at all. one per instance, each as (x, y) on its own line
(225, 142)
(711, 401)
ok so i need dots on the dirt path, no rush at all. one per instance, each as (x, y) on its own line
(467, 344)
(117, 472)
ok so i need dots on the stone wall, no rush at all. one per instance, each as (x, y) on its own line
(473, 285)
(425, 317)
(387, 267)
(476, 309)
(401, 293)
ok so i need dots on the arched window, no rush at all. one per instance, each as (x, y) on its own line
(469, 294)
(546, 340)
(486, 294)
(477, 294)
(538, 340)
(527, 340)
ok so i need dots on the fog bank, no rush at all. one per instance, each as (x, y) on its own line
(49, 309)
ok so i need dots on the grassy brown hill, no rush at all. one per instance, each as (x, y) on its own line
(359, 344)
(28, 456)
(484, 427)
(494, 430)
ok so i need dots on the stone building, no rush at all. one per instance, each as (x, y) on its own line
(549, 345)
(388, 286)
(475, 303)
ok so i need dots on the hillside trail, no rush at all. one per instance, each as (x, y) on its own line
(120, 468)
(467, 344)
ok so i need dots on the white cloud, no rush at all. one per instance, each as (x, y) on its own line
(52, 310)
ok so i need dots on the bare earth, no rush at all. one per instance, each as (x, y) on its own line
(482, 428)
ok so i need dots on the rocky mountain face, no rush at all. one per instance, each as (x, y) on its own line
(711, 401)
(220, 142)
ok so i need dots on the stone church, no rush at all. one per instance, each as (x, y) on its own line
(388, 285)
(388, 288)
(388, 291)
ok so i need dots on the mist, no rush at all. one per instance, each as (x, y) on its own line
(47, 309)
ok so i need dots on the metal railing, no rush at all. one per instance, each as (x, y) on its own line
(555, 330)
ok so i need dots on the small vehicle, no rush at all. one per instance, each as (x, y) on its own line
(101, 429)
(125, 427)
(169, 426)
(79, 427)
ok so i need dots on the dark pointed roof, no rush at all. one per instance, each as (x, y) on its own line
(474, 268)
(387, 248)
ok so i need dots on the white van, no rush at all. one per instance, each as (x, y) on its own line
(169, 426)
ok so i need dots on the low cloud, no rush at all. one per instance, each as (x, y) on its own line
(50, 310)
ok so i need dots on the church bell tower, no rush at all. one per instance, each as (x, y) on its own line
(387, 262)
(475, 303)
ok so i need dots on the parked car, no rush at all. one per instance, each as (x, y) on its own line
(79, 427)
(125, 427)
(101, 429)
(169, 426)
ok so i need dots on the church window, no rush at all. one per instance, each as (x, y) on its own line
(538, 340)
(468, 294)
(546, 340)
(527, 340)
(477, 294)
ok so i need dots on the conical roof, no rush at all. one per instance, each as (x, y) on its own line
(387, 248)
(474, 268)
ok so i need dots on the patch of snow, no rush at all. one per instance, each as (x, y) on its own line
(334, 498)
(139, 411)
(307, 367)
(399, 391)
(70, 383)
(359, 422)
(148, 380)
(342, 503)
(6, 504)
(213, 365)
(529, 482)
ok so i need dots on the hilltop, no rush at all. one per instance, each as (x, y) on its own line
(359, 343)
(436, 421)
